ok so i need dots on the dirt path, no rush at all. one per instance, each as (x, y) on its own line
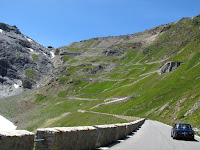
(51, 121)
(128, 118)
(118, 100)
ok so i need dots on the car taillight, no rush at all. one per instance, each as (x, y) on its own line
(175, 131)
(193, 133)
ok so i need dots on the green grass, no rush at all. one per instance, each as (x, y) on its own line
(30, 73)
(97, 87)
(63, 80)
(155, 91)
(65, 58)
(167, 97)
(40, 98)
(86, 119)
(150, 92)
(59, 106)
(35, 57)
(91, 42)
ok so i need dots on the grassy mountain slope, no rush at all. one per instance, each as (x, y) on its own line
(102, 70)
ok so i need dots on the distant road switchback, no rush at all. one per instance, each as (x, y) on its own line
(154, 135)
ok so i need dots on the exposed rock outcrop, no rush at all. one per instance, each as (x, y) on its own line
(113, 53)
(70, 54)
(22, 61)
(169, 66)
(107, 42)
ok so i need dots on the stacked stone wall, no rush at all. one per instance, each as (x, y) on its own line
(85, 137)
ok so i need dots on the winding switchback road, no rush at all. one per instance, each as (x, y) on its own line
(154, 135)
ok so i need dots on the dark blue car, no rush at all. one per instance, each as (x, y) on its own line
(182, 130)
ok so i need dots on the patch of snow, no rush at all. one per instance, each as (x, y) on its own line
(52, 54)
(16, 86)
(28, 39)
(30, 49)
(44, 54)
(6, 125)
(1, 31)
(39, 85)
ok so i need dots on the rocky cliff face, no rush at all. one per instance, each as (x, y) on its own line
(22, 61)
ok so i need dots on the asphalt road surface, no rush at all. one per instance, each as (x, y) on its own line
(154, 135)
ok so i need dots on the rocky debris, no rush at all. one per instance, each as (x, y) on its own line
(70, 54)
(27, 83)
(166, 28)
(107, 42)
(96, 69)
(176, 109)
(7, 28)
(113, 53)
(193, 109)
(21, 59)
(169, 66)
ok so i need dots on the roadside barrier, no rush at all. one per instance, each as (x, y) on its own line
(67, 138)
(16, 140)
(84, 137)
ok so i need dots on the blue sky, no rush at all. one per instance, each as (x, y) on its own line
(61, 22)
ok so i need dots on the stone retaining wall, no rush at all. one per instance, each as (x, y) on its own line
(16, 140)
(67, 138)
(85, 137)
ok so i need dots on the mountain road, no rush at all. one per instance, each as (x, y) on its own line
(154, 135)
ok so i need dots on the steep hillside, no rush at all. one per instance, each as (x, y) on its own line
(23, 62)
(119, 75)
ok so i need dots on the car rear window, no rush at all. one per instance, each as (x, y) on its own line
(183, 126)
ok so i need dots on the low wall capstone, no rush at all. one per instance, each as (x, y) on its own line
(16, 140)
